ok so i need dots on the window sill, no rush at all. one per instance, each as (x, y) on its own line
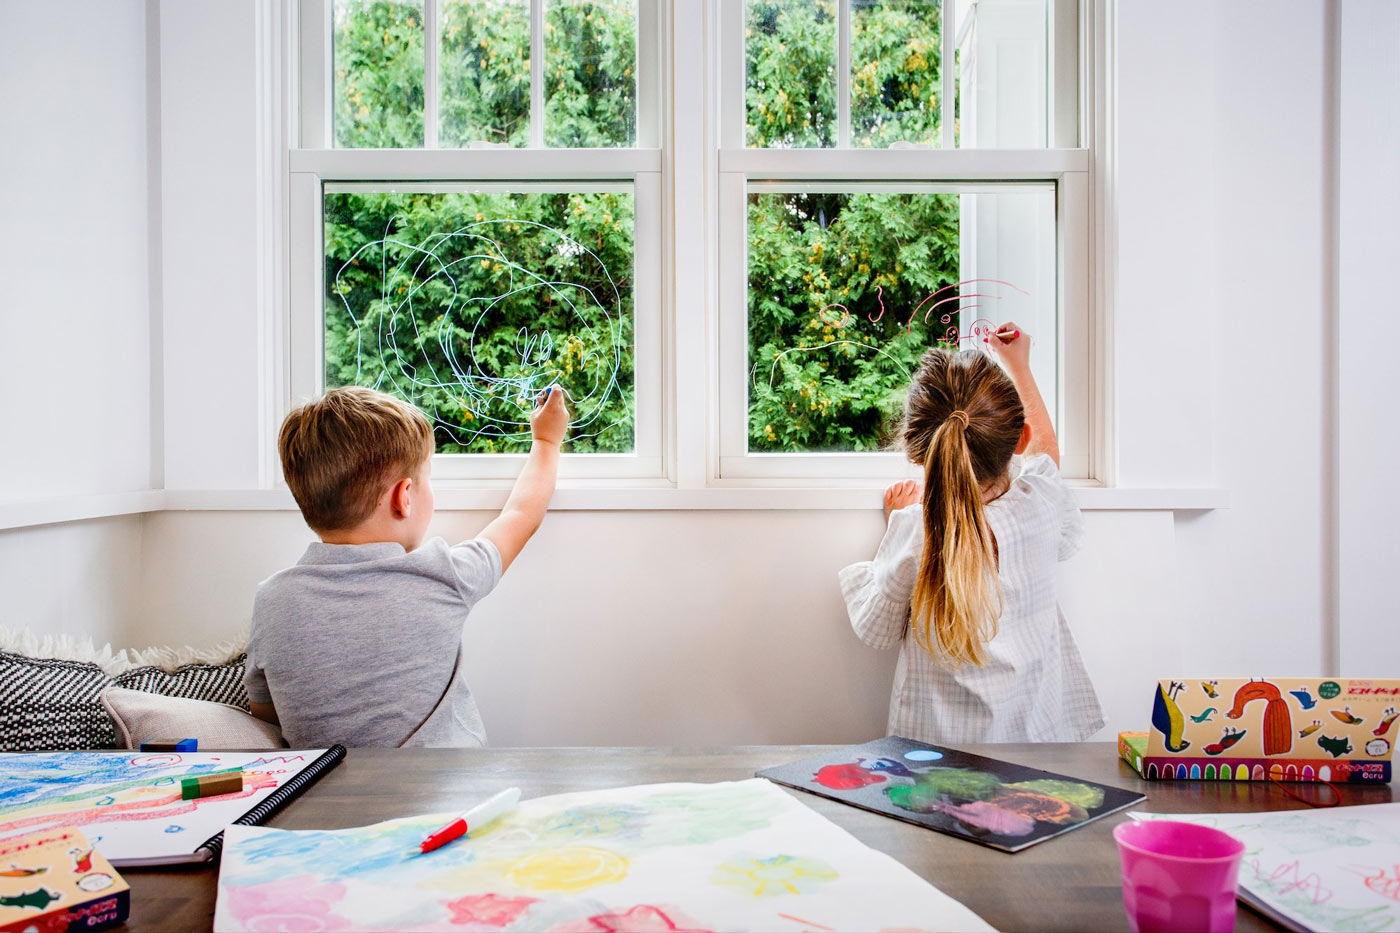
(577, 498)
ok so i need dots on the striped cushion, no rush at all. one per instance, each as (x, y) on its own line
(51, 705)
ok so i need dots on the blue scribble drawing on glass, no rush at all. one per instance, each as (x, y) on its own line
(425, 331)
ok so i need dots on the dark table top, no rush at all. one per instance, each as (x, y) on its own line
(1071, 882)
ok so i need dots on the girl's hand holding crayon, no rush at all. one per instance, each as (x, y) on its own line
(1012, 345)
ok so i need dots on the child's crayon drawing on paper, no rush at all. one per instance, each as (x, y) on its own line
(129, 804)
(1331, 869)
(741, 855)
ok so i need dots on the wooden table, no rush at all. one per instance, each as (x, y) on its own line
(1068, 883)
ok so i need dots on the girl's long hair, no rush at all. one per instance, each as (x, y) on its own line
(962, 421)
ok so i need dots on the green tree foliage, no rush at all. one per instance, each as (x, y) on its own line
(825, 377)
(378, 73)
(484, 73)
(590, 84)
(790, 93)
(470, 304)
(821, 378)
(895, 72)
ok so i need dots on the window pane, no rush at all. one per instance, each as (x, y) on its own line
(790, 91)
(484, 72)
(590, 73)
(848, 288)
(1004, 88)
(469, 303)
(895, 72)
(378, 73)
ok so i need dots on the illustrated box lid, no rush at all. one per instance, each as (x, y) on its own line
(1284, 728)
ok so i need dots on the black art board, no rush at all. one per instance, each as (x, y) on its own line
(997, 803)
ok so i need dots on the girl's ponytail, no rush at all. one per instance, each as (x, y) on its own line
(963, 420)
(957, 597)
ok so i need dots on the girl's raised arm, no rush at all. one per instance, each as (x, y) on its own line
(1012, 345)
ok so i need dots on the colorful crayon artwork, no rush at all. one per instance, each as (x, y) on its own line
(736, 856)
(1326, 869)
(130, 804)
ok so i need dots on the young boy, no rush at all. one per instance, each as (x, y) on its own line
(360, 643)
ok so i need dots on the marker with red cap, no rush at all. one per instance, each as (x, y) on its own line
(478, 816)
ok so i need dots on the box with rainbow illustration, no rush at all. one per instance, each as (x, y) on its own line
(1279, 728)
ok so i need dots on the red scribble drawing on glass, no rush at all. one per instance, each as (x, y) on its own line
(1385, 882)
(951, 332)
(837, 316)
(806, 925)
(1290, 877)
(880, 297)
(838, 323)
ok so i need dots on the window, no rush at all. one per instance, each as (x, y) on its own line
(474, 218)
(458, 73)
(480, 206)
(469, 303)
(847, 288)
(864, 219)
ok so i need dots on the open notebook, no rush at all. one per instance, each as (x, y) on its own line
(129, 805)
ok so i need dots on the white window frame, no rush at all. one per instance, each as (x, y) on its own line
(690, 171)
(315, 163)
(1066, 166)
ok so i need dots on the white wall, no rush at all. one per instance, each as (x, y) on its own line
(81, 578)
(674, 627)
(75, 312)
(209, 220)
(1245, 378)
(1368, 155)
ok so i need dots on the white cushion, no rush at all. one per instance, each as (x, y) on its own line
(142, 717)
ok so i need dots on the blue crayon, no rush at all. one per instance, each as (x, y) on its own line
(170, 745)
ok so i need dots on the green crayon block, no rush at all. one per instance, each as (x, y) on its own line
(211, 785)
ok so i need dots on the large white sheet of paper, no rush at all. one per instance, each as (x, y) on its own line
(128, 803)
(1331, 869)
(736, 856)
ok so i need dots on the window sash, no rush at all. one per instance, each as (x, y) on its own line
(1071, 394)
(1067, 167)
(316, 66)
(307, 307)
(1064, 94)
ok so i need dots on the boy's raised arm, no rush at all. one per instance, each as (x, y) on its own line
(1015, 352)
(529, 499)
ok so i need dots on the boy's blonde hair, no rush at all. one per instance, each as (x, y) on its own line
(341, 451)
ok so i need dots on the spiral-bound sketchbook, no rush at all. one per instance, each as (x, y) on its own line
(130, 806)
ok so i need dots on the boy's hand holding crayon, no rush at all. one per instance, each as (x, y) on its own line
(549, 422)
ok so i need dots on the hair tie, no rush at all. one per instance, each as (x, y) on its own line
(960, 415)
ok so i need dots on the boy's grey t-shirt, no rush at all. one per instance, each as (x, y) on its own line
(357, 643)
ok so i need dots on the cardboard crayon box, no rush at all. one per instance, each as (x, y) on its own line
(54, 881)
(1281, 728)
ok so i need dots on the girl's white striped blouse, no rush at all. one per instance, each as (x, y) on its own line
(1032, 685)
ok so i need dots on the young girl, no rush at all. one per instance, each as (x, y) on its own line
(965, 576)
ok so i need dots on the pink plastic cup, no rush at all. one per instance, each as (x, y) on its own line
(1178, 876)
